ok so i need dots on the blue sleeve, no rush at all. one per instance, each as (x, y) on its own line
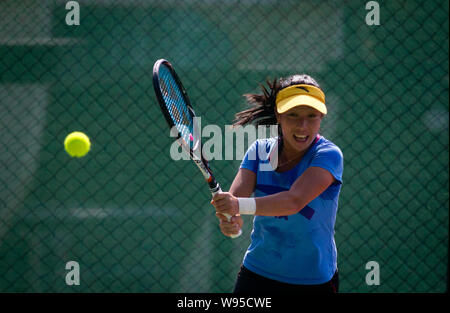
(331, 159)
(250, 160)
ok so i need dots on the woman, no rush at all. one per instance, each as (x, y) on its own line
(295, 201)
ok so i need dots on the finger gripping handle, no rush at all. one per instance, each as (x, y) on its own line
(228, 216)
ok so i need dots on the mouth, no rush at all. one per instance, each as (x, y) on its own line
(301, 138)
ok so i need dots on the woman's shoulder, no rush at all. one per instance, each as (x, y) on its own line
(262, 149)
(268, 143)
(325, 145)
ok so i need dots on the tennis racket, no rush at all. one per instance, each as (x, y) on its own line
(179, 114)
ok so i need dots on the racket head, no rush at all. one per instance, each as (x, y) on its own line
(178, 112)
(175, 104)
(180, 115)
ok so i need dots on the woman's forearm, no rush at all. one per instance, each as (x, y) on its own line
(279, 204)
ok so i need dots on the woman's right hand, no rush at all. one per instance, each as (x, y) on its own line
(231, 227)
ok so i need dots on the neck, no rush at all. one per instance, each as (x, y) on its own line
(290, 156)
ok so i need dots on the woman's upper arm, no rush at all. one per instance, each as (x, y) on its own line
(244, 183)
(310, 185)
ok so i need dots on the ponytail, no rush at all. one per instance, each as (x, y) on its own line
(263, 106)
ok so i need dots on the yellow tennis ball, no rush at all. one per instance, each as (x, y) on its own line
(77, 144)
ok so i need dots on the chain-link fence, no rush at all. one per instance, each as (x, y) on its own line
(137, 221)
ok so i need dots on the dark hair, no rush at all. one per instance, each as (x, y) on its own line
(262, 110)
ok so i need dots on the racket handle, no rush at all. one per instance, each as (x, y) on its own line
(228, 216)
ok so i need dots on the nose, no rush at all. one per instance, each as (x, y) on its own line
(301, 122)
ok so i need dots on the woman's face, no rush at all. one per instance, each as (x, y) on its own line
(300, 126)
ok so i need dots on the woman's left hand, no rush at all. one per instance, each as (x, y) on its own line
(225, 203)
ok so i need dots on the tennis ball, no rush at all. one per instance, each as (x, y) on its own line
(77, 144)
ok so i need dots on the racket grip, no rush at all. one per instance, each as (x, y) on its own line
(228, 216)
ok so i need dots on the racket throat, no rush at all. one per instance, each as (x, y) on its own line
(214, 187)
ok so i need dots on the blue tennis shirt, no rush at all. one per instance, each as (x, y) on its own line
(299, 248)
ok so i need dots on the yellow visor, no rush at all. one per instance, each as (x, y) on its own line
(298, 95)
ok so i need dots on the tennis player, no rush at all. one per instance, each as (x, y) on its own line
(295, 179)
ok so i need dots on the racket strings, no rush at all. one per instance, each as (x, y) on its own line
(176, 105)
